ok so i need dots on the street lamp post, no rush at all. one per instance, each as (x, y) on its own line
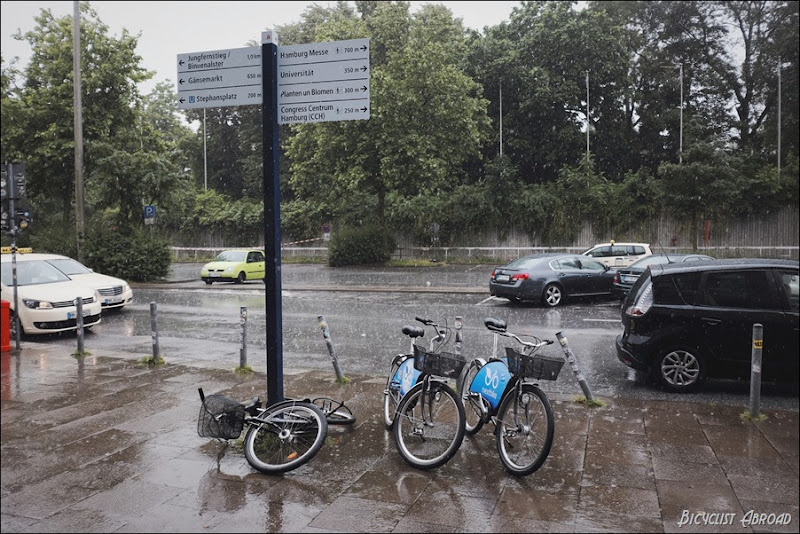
(680, 146)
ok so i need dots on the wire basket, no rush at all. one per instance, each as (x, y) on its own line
(538, 366)
(220, 417)
(445, 364)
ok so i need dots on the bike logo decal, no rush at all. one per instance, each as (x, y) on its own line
(492, 378)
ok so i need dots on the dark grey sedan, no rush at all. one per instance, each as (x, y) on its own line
(551, 279)
(626, 276)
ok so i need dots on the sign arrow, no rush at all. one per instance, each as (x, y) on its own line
(180, 81)
(363, 48)
(180, 63)
(363, 69)
(364, 88)
(364, 109)
(182, 100)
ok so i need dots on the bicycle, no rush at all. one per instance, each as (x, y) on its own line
(279, 438)
(500, 391)
(429, 422)
(402, 375)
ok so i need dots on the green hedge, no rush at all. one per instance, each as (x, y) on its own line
(134, 256)
(359, 246)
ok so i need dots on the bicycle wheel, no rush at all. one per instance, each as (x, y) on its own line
(335, 411)
(474, 405)
(524, 430)
(429, 426)
(391, 393)
(285, 437)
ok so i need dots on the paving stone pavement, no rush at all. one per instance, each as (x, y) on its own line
(105, 444)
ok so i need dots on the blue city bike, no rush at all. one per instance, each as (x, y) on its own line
(402, 374)
(501, 390)
(423, 411)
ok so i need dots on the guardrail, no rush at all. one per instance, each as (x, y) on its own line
(497, 253)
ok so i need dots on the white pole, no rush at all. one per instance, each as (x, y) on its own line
(205, 160)
(779, 115)
(501, 119)
(680, 149)
(588, 122)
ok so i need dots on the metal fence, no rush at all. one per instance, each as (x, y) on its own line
(773, 235)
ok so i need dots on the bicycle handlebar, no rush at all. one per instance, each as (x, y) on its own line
(532, 344)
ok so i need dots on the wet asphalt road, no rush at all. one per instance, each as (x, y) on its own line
(365, 310)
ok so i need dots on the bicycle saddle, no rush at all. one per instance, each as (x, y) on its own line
(414, 331)
(497, 325)
(253, 406)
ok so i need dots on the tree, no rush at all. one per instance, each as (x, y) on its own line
(110, 71)
(427, 116)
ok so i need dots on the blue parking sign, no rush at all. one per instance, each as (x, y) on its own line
(149, 212)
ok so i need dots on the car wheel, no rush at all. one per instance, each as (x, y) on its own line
(12, 332)
(552, 295)
(209, 282)
(241, 278)
(680, 369)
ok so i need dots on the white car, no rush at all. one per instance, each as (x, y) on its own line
(112, 292)
(614, 254)
(46, 296)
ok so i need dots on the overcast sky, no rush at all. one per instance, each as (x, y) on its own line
(172, 28)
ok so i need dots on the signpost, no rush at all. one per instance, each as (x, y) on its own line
(219, 78)
(316, 82)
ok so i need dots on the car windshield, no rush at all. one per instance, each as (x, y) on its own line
(231, 255)
(69, 266)
(32, 273)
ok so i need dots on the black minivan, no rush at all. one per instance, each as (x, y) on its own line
(685, 322)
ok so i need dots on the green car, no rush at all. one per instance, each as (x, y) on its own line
(235, 265)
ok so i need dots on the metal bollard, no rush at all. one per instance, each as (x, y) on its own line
(154, 330)
(755, 370)
(573, 362)
(79, 323)
(327, 336)
(459, 335)
(243, 331)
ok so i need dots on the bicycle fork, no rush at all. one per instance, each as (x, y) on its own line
(426, 399)
(510, 431)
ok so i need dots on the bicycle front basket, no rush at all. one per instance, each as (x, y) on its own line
(220, 417)
(445, 364)
(538, 366)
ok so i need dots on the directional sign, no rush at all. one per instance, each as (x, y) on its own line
(219, 78)
(323, 82)
(317, 82)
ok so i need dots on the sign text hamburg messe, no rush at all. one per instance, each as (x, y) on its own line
(317, 82)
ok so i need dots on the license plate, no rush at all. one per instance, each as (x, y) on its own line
(629, 279)
(213, 275)
(112, 301)
(71, 315)
(502, 278)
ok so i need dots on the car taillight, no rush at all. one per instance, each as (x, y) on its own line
(493, 271)
(616, 278)
(520, 276)
(642, 303)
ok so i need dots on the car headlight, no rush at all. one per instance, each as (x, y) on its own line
(37, 304)
(125, 288)
(229, 269)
